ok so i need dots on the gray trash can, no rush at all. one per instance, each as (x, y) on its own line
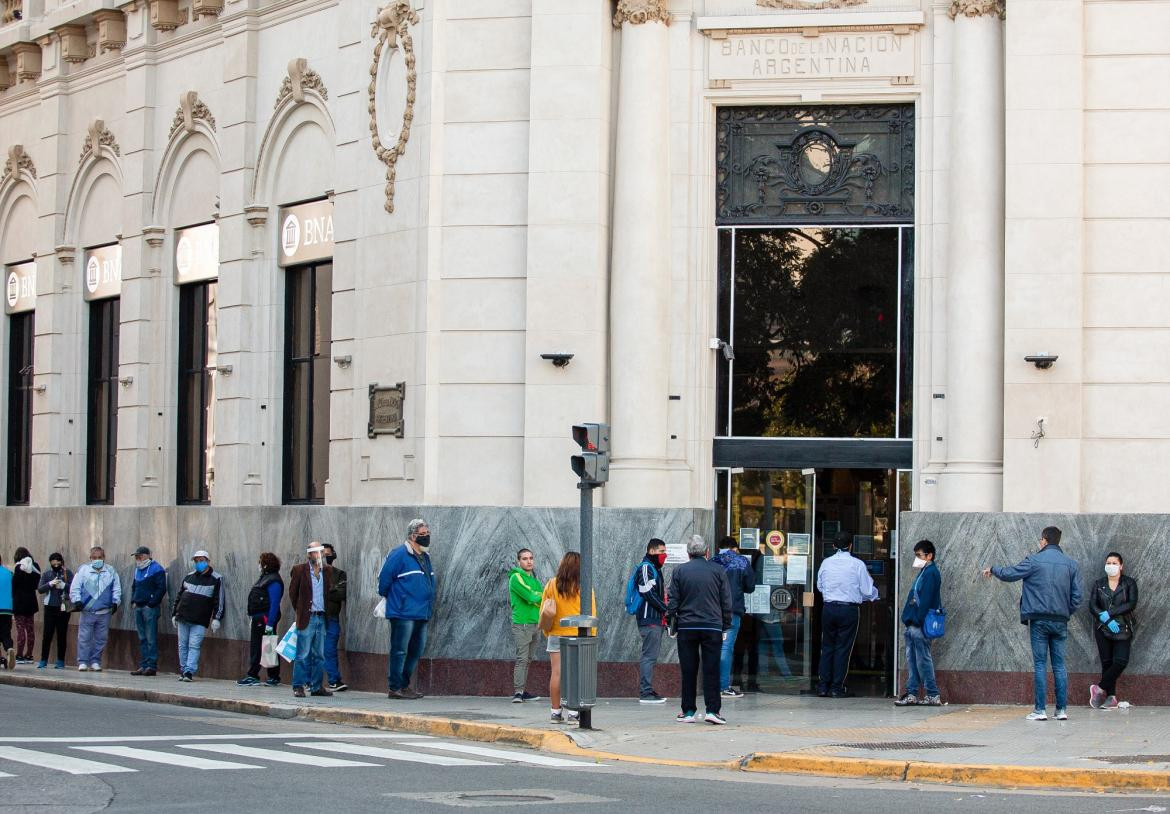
(579, 672)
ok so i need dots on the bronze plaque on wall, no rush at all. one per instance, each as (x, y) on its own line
(386, 414)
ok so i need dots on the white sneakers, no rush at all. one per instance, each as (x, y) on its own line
(710, 717)
(82, 668)
(1041, 715)
(95, 668)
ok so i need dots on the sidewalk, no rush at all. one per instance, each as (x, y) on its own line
(858, 737)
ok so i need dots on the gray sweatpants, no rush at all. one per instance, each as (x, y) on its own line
(525, 637)
(651, 645)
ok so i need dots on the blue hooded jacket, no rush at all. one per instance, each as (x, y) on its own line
(5, 590)
(741, 578)
(408, 585)
(150, 586)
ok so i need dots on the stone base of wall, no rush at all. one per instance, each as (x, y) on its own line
(972, 687)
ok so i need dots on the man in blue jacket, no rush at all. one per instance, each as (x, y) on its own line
(149, 588)
(1052, 592)
(407, 583)
(741, 579)
(925, 595)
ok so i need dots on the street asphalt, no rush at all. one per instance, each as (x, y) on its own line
(64, 753)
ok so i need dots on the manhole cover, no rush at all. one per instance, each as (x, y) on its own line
(1132, 758)
(506, 798)
(483, 798)
(907, 745)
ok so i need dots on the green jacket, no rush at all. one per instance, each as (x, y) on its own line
(524, 592)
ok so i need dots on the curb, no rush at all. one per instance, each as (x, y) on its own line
(904, 771)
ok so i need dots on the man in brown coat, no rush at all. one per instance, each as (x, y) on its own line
(308, 585)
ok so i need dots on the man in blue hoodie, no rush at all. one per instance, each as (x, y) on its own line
(741, 578)
(925, 595)
(407, 583)
(1052, 592)
(149, 588)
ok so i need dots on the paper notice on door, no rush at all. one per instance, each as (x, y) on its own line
(773, 571)
(799, 543)
(676, 553)
(797, 569)
(757, 600)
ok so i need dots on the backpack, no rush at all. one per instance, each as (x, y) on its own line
(258, 597)
(633, 598)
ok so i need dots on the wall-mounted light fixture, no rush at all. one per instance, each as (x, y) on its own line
(343, 361)
(224, 369)
(1043, 360)
(558, 359)
(718, 344)
(40, 388)
(126, 381)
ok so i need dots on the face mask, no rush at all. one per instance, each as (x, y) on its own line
(329, 558)
(200, 567)
(57, 566)
(143, 564)
(1112, 570)
(919, 562)
(422, 541)
(97, 564)
(661, 559)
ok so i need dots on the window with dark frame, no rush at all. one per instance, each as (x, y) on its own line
(308, 332)
(196, 425)
(21, 332)
(102, 423)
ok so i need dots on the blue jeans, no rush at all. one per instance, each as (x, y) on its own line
(308, 669)
(727, 650)
(408, 637)
(146, 619)
(919, 663)
(1049, 637)
(772, 640)
(332, 635)
(190, 642)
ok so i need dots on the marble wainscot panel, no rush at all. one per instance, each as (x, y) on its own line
(987, 649)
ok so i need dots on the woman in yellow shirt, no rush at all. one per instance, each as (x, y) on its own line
(565, 590)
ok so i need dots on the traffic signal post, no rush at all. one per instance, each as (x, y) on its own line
(579, 653)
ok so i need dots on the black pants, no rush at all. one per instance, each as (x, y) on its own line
(56, 625)
(257, 642)
(693, 644)
(747, 646)
(1114, 659)
(838, 632)
(5, 631)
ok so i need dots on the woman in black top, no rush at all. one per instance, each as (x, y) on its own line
(1112, 600)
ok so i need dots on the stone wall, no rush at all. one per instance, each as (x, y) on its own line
(985, 655)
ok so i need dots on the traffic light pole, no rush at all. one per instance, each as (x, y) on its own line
(586, 489)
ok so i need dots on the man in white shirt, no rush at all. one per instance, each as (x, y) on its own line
(844, 584)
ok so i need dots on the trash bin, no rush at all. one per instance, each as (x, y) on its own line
(579, 672)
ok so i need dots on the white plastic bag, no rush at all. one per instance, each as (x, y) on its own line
(288, 645)
(268, 655)
(380, 609)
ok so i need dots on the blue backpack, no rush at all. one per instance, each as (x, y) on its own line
(633, 598)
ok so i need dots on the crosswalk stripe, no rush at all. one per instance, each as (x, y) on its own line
(64, 763)
(180, 761)
(389, 754)
(483, 751)
(228, 737)
(5, 774)
(272, 754)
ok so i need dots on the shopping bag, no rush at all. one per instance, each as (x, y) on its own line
(935, 626)
(268, 654)
(288, 645)
(380, 609)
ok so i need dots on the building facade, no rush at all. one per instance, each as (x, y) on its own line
(279, 270)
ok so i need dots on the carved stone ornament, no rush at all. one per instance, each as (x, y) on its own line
(809, 5)
(637, 12)
(18, 160)
(191, 107)
(300, 79)
(393, 23)
(98, 137)
(978, 8)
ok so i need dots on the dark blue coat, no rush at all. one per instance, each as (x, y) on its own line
(150, 586)
(408, 584)
(929, 587)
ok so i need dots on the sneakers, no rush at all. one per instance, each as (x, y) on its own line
(1110, 702)
(685, 718)
(81, 668)
(1061, 715)
(1096, 696)
(907, 700)
(527, 696)
(186, 677)
(1037, 715)
(60, 665)
(10, 658)
(137, 672)
(42, 664)
(338, 686)
(714, 718)
(652, 698)
(411, 694)
(518, 698)
(150, 671)
(95, 667)
(298, 692)
(731, 692)
(932, 701)
(560, 716)
(272, 682)
(248, 681)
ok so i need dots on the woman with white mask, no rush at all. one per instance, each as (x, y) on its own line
(1112, 601)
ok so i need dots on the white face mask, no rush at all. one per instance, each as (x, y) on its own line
(1112, 570)
(920, 563)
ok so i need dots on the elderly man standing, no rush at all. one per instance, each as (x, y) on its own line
(97, 589)
(308, 585)
(699, 608)
(407, 583)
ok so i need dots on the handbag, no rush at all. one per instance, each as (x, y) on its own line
(380, 609)
(548, 615)
(287, 648)
(934, 626)
(268, 655)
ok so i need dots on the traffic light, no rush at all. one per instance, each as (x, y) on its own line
(592, 465)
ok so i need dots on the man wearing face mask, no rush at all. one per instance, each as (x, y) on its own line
(149, 588)
(98, 591)
(334, 603)
(198, 606)
(407, 582)
(308, 585)
(651, 617)
(925, 595)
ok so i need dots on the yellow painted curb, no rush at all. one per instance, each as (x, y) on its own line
(1039, 777)
(796, 763)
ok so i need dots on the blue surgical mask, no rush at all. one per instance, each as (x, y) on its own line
(200, 567)
(97, 564)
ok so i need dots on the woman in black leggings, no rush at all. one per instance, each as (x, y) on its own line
(1113, 599)
(54, 588)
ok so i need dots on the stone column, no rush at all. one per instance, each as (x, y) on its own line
(639, 337)
(973, 479)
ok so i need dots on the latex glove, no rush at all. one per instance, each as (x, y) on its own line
(1103, 616)
(268, 631)
(214, 625)
(725, 635)
(1113, 626)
